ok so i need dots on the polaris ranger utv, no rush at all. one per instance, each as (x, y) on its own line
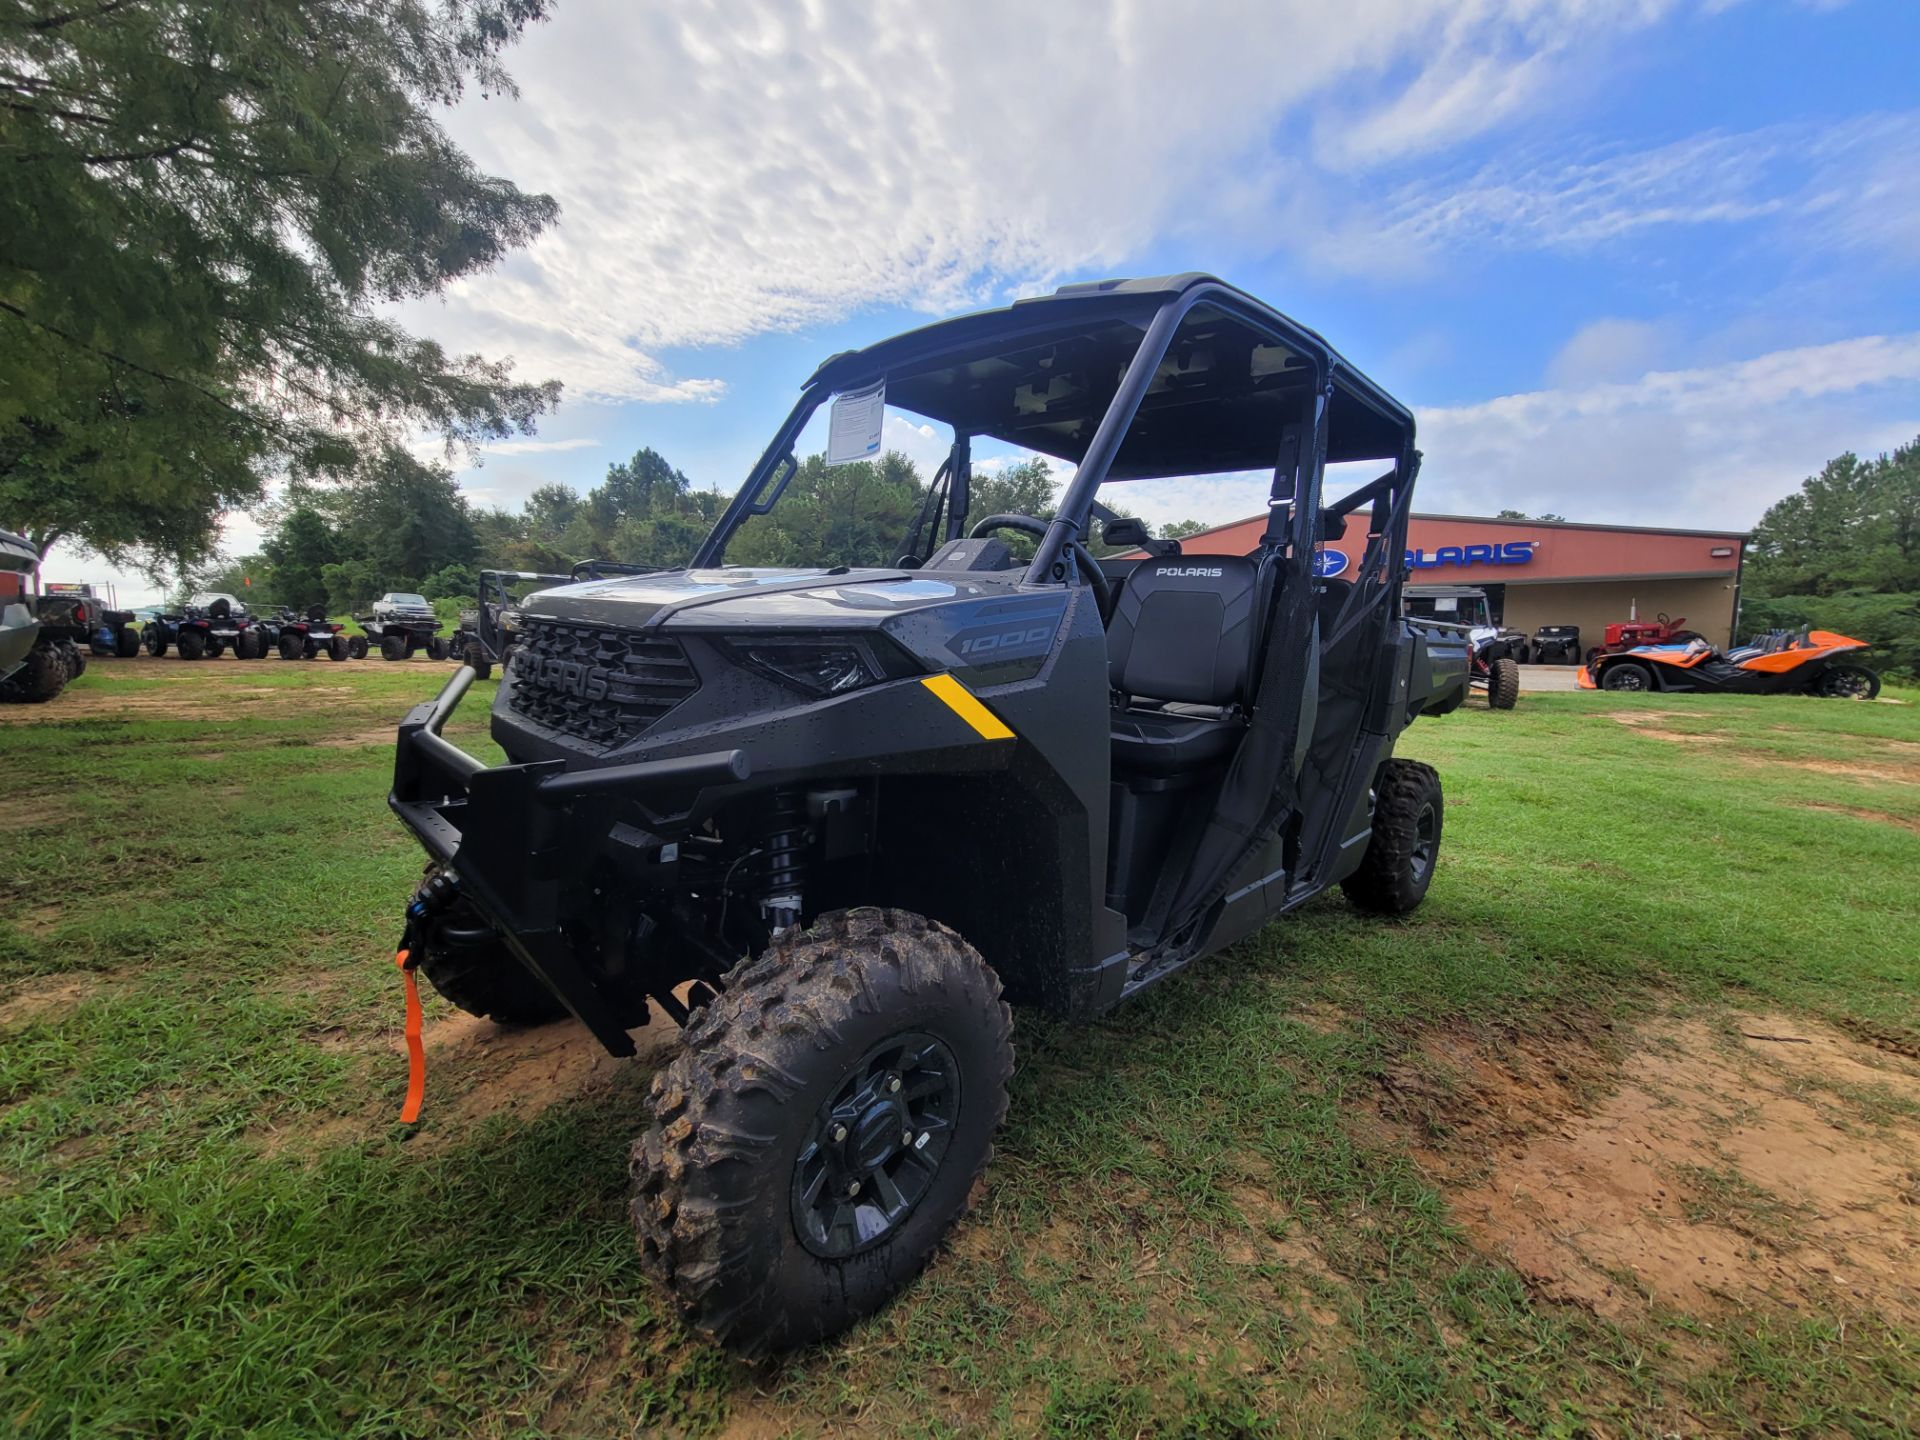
(822, 818)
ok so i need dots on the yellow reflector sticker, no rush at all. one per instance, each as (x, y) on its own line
(961, 701)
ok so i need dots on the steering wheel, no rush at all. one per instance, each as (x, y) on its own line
(1089, 568)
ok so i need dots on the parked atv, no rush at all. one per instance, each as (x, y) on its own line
(305, 637)
(208, 625)
(1779, 663)
(402, 623)
(1495, 654)
(830, 820)
(37, 654)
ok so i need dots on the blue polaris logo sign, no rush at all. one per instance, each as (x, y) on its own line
(1510, 552)
(1329, 563)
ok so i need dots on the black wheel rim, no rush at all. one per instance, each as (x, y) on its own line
(1425, 831)
(874, 1147)
(1845, 684)
(1627, 678)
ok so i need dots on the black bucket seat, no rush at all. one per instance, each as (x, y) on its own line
(1179, 659)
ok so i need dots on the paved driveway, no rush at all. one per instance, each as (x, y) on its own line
(1548, 677)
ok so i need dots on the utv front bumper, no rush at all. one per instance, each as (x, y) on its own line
(513, 836)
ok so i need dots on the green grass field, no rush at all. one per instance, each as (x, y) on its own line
(1267, 1198)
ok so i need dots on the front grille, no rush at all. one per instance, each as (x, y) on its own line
(602, 686)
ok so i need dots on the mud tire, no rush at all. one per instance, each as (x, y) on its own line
(713, 1176)
(1409, 813)
(41, 676)
(393, 647)
(192, 645)
(1503, 684)
(476, 656)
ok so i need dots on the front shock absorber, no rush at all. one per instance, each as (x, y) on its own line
(783, 860)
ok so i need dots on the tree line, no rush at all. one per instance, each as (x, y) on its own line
(410, 528)
(1843, 553)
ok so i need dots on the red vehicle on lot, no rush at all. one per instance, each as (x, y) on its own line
(1632, 634)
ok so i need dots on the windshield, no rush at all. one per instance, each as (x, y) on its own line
(397, 599)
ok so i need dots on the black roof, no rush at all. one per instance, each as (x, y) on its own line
(1002, 373)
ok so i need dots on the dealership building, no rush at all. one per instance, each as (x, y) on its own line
(1550, 572)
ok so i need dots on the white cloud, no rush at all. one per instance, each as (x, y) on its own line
(1849, 187)
(537, 447)
(1606, 349)
(727, 170)
(1712, 446)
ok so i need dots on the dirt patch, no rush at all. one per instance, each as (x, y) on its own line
(1892, 771)
(1761, 1162)
(1878, 817)
(31, 814)
(1641, 722)
(381, 736)
(38, 921)
(47, 998)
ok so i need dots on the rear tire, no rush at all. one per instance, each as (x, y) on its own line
(155, 639)
(476, 656)
(438, 648)
(392, 647)
(1503, 684)
(292, 646)
(1627, 675)
(337, 649)
(192, 645)
(356, 647)
(1847, 682)
(126, 642)
(1409, 813)
(774, 1221)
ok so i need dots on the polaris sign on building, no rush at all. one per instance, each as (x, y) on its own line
(1546, 572)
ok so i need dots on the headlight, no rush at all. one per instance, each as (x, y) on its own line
(822, 665)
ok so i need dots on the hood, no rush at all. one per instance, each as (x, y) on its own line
(741, 596)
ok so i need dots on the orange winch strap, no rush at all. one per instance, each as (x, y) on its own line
(416, 1051)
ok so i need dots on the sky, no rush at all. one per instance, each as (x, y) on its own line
(1636, 261)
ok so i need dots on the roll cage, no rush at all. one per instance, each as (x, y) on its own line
(1171, 410)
